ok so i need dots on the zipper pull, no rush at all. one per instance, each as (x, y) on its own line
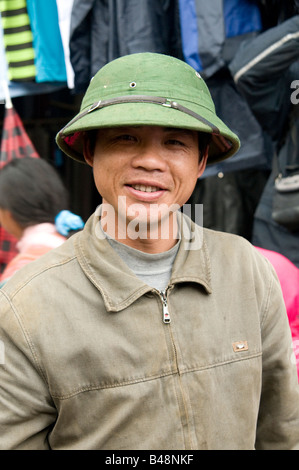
(166, 316)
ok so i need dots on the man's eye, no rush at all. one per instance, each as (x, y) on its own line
(175, 142)
(126, 137)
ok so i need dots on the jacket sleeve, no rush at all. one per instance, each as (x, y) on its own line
(278, 422)
(261, 71)
(26, 409)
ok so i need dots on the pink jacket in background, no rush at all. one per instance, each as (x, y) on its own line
(35, 242)
(288, 275)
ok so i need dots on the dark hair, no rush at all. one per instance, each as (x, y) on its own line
(204, 140)
(31, 189)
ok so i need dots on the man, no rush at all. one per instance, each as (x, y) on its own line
(145, 331)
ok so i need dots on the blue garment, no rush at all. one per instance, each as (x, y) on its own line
(241, 17)
(211, 34)
(66, 221)
(47, 42)
(206, 25)
(190, 33)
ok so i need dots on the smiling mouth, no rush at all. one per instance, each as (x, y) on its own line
(147, 189)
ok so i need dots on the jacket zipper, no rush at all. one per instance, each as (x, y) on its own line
(182, 401)
(165, 311)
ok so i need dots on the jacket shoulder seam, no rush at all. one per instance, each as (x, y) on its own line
(33, 276)
(26, 336)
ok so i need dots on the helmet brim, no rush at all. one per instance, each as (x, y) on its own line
(224, 143)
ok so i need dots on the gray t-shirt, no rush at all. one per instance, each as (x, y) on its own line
(154, 269)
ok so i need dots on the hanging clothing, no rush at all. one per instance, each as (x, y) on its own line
(3, 61)
(230, 199)
(211, 33)
(64, 20)
(269, 96)
(47, 42)
(21, 88)
(18, 40)
(104, 30)
(206, 26)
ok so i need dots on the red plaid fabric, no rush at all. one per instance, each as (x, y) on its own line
(7, 248)
(15, 141)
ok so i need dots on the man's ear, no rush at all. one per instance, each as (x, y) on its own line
(203, 162)
(88, 155)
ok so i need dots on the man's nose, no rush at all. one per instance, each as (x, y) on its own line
(150, 157)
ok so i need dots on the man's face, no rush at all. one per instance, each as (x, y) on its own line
(147, 167)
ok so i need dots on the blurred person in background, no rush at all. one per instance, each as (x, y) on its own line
(33, 202)
(288, 275)
(8, 248)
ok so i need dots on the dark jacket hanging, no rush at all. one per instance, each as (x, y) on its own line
(265, 69)
(102, 30)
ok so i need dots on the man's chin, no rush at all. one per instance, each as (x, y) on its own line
(139, 220)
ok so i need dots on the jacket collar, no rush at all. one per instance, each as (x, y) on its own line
(118, 284)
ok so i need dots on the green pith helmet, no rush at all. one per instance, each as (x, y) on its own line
(148, 89)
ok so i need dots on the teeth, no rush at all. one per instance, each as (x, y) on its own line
(147, 189)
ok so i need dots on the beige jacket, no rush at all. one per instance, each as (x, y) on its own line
(88, 362)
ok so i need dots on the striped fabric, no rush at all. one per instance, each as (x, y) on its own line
(18, 40)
